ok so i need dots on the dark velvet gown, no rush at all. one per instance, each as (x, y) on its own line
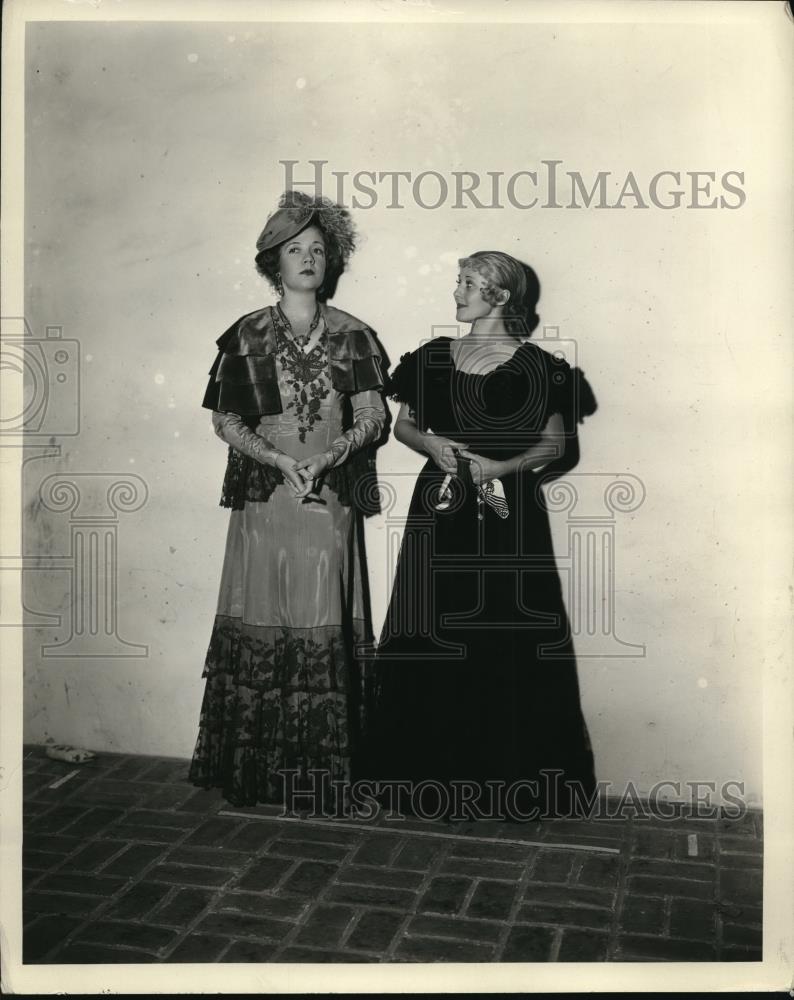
(475, 677)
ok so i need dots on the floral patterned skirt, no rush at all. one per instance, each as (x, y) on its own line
(284, 671)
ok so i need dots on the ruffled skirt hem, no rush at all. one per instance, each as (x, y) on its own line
(279, 704)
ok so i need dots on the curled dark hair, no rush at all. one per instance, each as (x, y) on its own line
(339, 234)
(504, 273)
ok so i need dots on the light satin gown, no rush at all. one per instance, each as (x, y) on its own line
(283, 676)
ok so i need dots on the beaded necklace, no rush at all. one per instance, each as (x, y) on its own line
(302, 340)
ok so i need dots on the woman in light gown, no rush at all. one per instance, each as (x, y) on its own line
(295, 392)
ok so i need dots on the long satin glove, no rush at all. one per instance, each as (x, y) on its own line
(232, 429)
(369, 419)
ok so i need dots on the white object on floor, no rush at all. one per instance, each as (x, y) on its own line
(72, 755)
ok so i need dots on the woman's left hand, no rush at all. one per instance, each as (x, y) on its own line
(482, 469)
(312, 468)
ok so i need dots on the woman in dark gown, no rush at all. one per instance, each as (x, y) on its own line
(475, 678)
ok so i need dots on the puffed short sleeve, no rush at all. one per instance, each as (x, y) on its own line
(568, 392)
(402, 384)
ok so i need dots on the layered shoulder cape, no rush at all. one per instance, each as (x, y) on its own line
(243, 377)
(243, 380)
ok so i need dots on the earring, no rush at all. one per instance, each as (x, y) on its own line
(279, 286)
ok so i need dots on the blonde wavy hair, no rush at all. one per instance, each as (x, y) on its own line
(505, 273)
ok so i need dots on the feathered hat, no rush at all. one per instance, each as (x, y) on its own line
(296, 210)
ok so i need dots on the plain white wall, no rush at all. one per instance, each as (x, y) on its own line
(151, 163)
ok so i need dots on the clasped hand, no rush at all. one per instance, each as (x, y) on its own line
(482, 469)
(300, 475)
(443, 452)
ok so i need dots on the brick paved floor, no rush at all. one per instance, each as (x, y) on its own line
(124, 861)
